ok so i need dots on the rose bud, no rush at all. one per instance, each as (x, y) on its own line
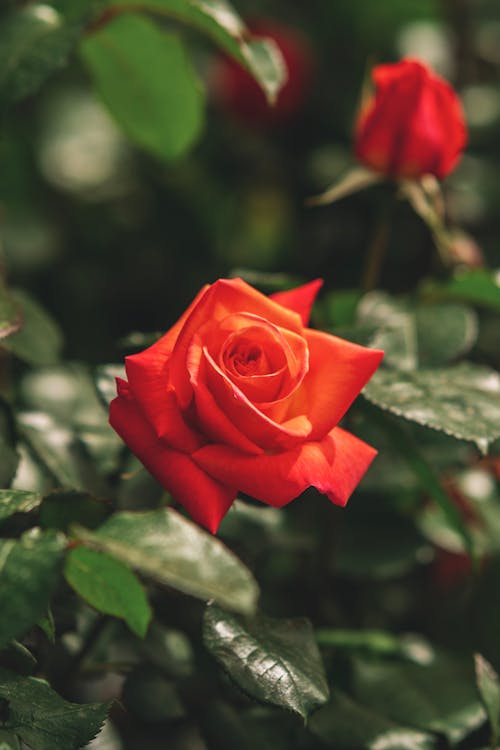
(240, 395)
(412, 125)
(238, 93)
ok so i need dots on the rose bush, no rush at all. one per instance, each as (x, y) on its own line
(412, 125)
(239, 395)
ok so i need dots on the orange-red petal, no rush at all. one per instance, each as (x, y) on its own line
(205, 498)
(334, 466)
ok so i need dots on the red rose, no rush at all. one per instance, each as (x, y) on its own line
(240, 395)
(237, 91)
(413, 125)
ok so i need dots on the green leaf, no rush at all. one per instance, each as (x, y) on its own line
(43, 720)
(478, 287)
(462, 401)
(29, 571)
(105, 380)
(17, 501)
(377, 642)
(68, 393)
(218, 20)
(39, 340)
(444, 333)
(429, 335)
(489, 690)
(109, 586)
(439, 697)
(56, 448)
(166, 546)
(347, 724)
(274, 661)
(168, 650)
(9, 741)
(148, 84)
(34, 42)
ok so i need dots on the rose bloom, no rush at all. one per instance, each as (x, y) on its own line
(239, 395)
(412, 125)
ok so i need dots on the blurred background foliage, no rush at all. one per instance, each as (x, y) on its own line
(110, 238)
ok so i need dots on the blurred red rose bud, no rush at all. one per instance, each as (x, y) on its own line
(412, 125)
(237, 92)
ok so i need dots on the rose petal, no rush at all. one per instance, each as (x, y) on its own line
(300, 299)
(334, 466)
(215, 424)
(222, 299)
(147, 376)
(338, 371)
(204, 497)
(246, 416)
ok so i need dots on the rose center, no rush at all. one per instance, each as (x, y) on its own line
(245, 358)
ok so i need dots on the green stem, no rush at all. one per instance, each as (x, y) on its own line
(377, 250)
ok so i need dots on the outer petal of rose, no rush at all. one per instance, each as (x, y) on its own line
(223, 298)
(205, 498)
(338, 370)
(334, 466)
(300, 299)
(147, 377)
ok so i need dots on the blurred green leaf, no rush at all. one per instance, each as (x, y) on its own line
(463, 401)
(68, 393)
(57, 449)
(439, 697)
(150, 697)
(478, 287)
(39, 340)
(347, 724)
(42, 719)
(48, 626)
(428, 335)
(489, 689)
(105, 380)
(8, 741)
(379, 642)
(35, 41)
(29, 571)
(17, 501)
(109, 586)
(444, 333)
(164, 545)
(218, 20)
(168, 650)
(60, 510)
(341, 306)
(275, 661)
(147, 82)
